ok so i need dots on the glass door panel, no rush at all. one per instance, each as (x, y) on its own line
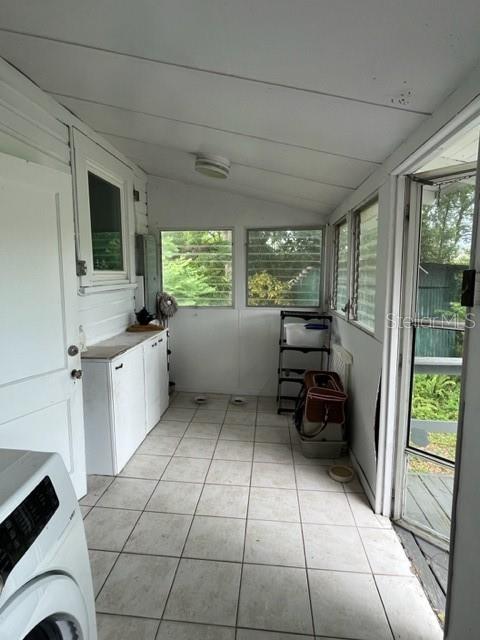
(445, 230)
(435, 393)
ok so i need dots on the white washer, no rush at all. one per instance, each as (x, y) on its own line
(46, 588)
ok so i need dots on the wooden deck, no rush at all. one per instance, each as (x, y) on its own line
(429, 500)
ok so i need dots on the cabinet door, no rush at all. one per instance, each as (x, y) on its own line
(164, 374)
(128, 405)
(152, 355)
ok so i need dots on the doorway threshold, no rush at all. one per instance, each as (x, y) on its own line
(430, 563)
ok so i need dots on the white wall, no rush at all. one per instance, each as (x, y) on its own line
(368, 350)
(104, 314)
(35, 127)
(223, 350)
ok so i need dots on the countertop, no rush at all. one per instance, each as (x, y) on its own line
(115, 346)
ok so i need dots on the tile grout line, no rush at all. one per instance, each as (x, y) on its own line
(188, 533)
(372, 574)
(245, 527)
(204, 484)
(142, 511)
(303, 541)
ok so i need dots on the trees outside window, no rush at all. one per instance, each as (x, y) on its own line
(284, 267)
(197, 267)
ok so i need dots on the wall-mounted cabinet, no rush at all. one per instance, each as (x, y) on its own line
(125, 394)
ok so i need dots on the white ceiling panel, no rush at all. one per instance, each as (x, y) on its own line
(305, 97)
(368, 50)
(178, 165)
(319, 122)
(463, 148)
(240, 149)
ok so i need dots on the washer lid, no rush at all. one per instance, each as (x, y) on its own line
(55, 598)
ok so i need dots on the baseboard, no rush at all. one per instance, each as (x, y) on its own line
(363, 479)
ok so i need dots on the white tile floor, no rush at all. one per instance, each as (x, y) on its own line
(219, 529)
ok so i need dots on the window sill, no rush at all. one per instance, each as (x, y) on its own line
(102, 288)
(354, 323)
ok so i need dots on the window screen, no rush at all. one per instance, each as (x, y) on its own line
(106, 224)
(340, 284)
(284, 267)
(366, 222)
(197, 267)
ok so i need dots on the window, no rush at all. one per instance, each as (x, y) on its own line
(340, 268)
(105, 217)
(197, 267)
(284, 267)
(106, 224)
(364, 280)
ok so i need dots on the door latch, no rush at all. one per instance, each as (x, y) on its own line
(468, 288)
(81, 267)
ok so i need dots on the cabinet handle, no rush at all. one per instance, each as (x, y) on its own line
(154, 344)
(161, 340)
(120, 366)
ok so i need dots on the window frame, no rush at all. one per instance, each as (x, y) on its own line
(350, 219)
(355, 268)
(342, 312)
(89, 157)
(200, 228)
(321, 288)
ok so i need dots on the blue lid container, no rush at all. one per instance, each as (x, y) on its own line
(316, 326)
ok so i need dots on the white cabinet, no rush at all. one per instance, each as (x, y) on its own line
(128, 395)
(156, 379)
(165, 376)
(125, 394)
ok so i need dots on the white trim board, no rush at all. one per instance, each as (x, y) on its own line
(28, 89)
(363, 479)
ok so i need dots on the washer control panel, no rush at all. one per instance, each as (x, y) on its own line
(22, 527)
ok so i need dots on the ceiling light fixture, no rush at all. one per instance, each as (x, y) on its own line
(212, 166)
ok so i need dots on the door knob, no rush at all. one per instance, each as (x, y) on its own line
(76, 374)
(73, 350)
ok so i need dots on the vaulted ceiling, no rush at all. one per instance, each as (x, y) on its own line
(305, 97)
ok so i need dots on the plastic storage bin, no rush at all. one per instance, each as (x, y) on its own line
(311, 334)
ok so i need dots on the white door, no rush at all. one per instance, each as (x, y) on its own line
(40, 401)
(129, 405)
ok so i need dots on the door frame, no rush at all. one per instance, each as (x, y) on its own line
(392, 364)
(409, 308)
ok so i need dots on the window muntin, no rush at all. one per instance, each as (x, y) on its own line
(365, 266)
(197, 267)
(105, 224)
(284, 267)
(340, 279)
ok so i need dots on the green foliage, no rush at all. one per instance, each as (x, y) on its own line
(435, 397)
(107, 251)
(447, 226)
(284, 267)
(265, 287)
(197, 267)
